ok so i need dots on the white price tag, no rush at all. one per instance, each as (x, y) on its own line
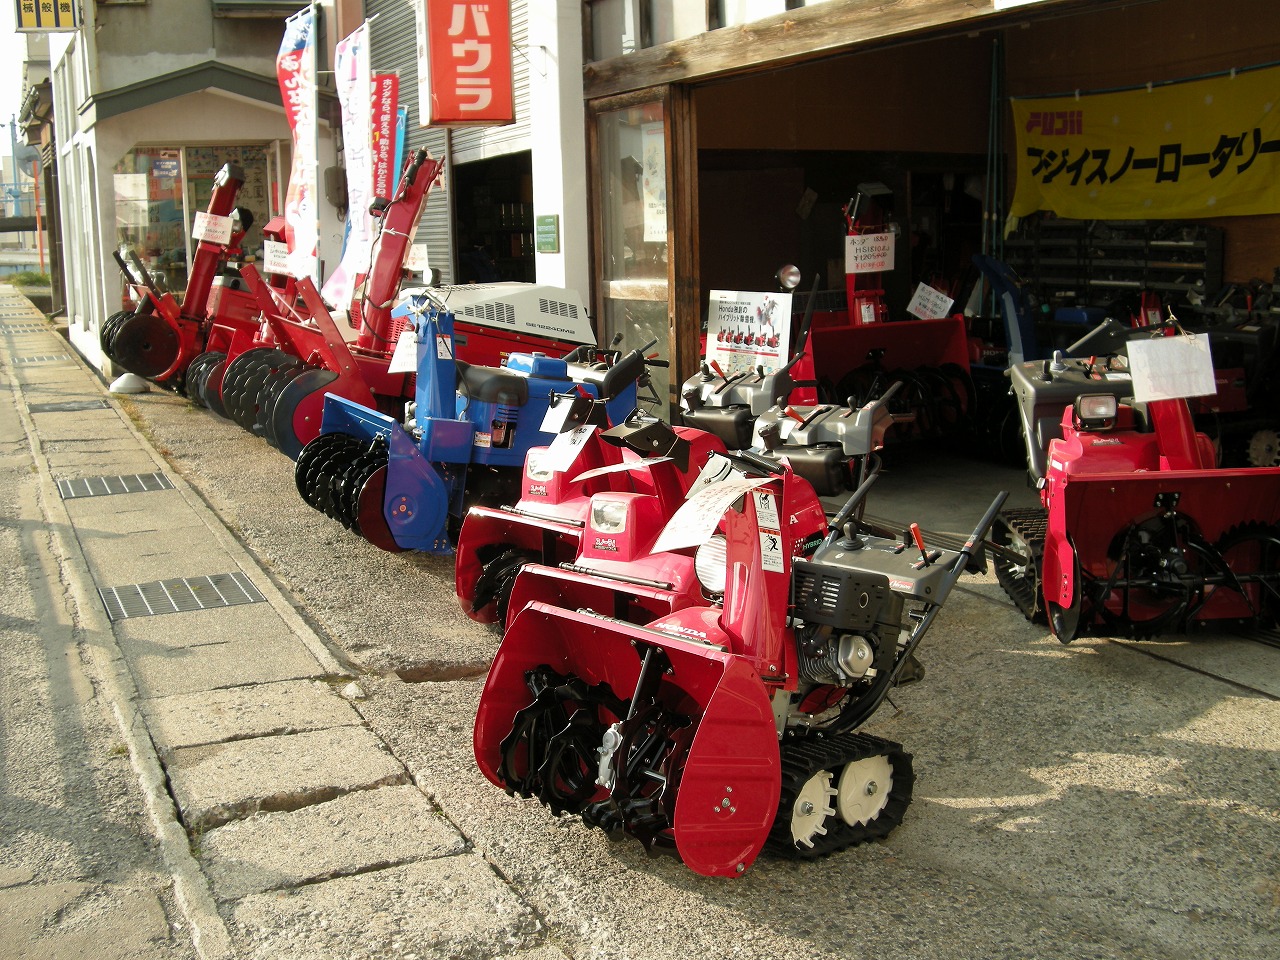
(565, 447)
(416, 258)
(929, 304)
(868, 252)
(212, 228)
(699, 515)
(275, 257)
(625, 467)
(1168, 368)
(404, 359)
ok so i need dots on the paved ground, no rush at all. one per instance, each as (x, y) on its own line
(302, 782)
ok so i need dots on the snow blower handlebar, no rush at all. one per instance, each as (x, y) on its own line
(626, 371)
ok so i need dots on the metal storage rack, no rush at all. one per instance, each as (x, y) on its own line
(1094, 262)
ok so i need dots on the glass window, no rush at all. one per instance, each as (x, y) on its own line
(159, 190)
(150, 219)
(632, 172)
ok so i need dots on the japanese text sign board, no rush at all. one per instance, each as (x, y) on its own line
(868, 252)
(928, 303)
(212, 228)
(464, 63)
(46, 15)
(386, 90)
(1197, 148)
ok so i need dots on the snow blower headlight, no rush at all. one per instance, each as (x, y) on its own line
(789, 276)
(1095, 411)
(608, 516)
(537, 466)
(708, 564)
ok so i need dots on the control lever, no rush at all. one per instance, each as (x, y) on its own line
(927, 556)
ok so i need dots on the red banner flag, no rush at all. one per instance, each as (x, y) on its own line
(386, 91)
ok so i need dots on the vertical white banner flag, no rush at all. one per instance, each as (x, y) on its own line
(295, 72)
(354, 82)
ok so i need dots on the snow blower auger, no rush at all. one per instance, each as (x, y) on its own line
(732, 725)
(160, 337)
(592, 502)
(464, 441)
(1138, 534)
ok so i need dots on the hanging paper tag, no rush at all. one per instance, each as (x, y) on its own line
(928, 303)
(275, 257)
(416, 259)
(212, 228)
(404, 359)
(565, 447)
(1170, 368)
(699, 515)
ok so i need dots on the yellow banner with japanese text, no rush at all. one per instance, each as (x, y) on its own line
(39, 15)
(1199, 148)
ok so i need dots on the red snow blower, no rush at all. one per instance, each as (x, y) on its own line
(160, 337)
(1138, 534)
(595, 512)
(730, 725)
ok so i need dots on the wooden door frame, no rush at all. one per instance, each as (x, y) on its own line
(683, 273)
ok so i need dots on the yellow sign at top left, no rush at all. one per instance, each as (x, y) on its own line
(38, 15)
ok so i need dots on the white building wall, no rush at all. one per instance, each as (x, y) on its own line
(87, 153)
(557, 120)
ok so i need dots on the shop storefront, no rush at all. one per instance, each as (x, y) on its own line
(719, 154)
(158, 191)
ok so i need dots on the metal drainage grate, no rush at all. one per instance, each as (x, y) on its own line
(23, 327)
(68, 406)
(106, 486)
(42, 358)
(178, 596)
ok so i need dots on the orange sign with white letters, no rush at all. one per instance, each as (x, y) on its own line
(468, 64)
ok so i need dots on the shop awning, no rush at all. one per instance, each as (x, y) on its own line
(209, 75)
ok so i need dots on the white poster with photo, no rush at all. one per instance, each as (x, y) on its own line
(748, 330)
(1170, 368)
(653, 174)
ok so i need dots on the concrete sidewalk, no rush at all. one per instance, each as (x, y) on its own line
(301, 726)
(230, 704)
